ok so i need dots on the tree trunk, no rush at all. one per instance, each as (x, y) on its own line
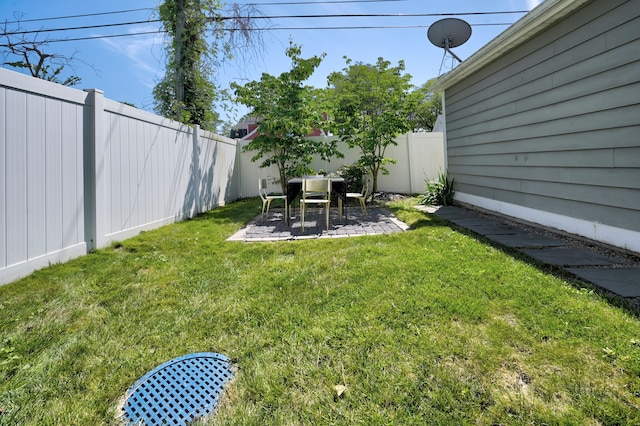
(374, 178)
(179, 66)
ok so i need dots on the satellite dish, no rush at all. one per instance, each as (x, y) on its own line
(448, 33)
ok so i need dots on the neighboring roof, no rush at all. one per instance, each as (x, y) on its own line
(530, 25)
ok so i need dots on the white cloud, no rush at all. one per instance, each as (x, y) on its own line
(144, 53)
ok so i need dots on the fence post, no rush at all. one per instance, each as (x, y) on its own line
(96, 209)
(238, 168)
(409, 136)
(196, 173)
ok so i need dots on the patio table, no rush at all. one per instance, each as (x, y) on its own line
(338, 185)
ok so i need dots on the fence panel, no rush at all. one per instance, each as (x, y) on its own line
(80, 171)
(217, 172)
(159, 171)
(419, 156)
(3, 191)
(42, 188)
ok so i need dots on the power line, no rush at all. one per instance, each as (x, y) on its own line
(85, 27)
(377, 15)
(359, 15)
(78, 16)
(116, 12)
(371, 27)
(90, 37)
(319, 2)
(161, 31)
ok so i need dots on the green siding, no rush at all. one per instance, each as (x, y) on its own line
(554, 125)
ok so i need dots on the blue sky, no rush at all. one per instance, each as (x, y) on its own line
(127, 68)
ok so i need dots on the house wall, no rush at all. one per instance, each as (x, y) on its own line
(550, 131)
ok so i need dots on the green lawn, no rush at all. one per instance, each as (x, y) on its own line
(430, 326)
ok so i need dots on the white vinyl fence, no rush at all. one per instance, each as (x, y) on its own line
(419, 157)
(78, 171)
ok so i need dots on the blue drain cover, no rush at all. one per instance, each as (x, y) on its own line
(178, 391)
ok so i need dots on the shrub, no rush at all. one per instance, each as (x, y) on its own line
(439, 192)
(352, 174)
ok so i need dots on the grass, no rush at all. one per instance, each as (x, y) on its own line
(430, 326)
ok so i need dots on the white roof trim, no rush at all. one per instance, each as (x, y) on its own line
(530, 25)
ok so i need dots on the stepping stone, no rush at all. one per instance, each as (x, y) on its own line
(474, 221)
(450, 212)
(492, 228)
(568, 256)
(622, 281)
(522, 240)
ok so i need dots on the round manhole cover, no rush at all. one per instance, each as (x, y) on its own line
(178, 391)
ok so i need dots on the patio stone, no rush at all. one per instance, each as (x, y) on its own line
(524, 240)
(355, 224)
(562, 256)
(622, 281)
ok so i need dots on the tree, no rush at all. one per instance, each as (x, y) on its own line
(31, 55)
(428, 109)
(370, 107)
(289, 111)
(201, 39)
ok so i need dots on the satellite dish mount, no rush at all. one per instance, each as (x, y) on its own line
(449, 33)
(447, 48)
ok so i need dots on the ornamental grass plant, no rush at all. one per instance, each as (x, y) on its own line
(439, 192)
(429, 326)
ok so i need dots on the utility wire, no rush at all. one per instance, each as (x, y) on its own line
(375, 15)
(116, 12)
(360, 15)
(86, 27)
(161, 31)
(372, 27)
(318, 2)
(78, 16)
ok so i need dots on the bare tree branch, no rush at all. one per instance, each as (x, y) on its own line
(31, 55)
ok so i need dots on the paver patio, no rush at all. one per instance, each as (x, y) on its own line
(379, 220)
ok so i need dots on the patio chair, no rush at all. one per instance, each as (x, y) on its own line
(267, 199)
(315, 191)
(362, 195)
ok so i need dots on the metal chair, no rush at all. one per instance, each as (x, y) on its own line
(315, 191)
(362, 195)
(267, 199)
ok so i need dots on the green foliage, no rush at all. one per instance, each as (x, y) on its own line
(352, 174)
(186, 92)
(289, 110)
(439, 192)
(429, 107)
(370, 106)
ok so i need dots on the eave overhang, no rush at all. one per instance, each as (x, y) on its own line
(533, 23)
